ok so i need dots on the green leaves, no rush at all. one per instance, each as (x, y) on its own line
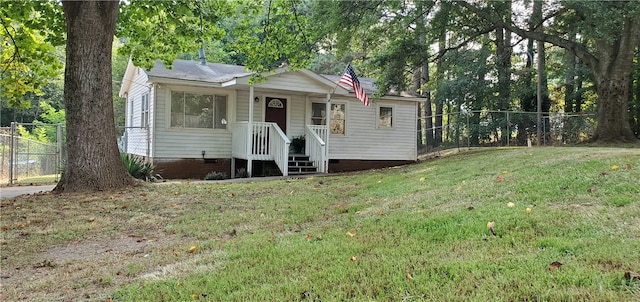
(161, 29)
(27, 59)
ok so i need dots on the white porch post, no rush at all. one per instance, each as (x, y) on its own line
(250, 134)
(328, 124)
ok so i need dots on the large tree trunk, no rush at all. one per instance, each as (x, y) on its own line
(93, 159)
(612, 73)
(613, 93)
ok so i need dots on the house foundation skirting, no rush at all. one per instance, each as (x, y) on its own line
(348, 165)
(191, 168)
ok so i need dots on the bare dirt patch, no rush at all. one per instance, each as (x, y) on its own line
(80, 248)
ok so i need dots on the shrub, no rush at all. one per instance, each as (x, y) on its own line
(242, 173)
(215, 176)
(138, 168)
(298, 144)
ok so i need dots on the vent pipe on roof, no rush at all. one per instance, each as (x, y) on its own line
(203, 60)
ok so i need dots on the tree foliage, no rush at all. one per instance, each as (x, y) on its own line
(30, 30)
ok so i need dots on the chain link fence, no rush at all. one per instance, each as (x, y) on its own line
(134, 140)
(31, 153)
(502, 128)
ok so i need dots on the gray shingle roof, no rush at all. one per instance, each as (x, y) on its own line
(193, 70)
(218, 73)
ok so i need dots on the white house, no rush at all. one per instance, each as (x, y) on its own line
(199, 117)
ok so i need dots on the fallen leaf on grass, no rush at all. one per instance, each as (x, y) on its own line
(628, 166)
(614, 167)
(176, 253)
(193, 249)
(528, 210)
(491, 226)
(555, 265)
(351, 234)
(511, 204)
(409, 277)
(45, 263)
(499, 179)
(631, 275)
(232, 194)
(353, 259)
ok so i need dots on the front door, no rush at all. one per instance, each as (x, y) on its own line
(276, 112)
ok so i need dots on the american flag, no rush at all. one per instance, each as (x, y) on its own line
(350, 79)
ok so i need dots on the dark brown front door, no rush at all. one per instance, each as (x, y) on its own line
(276, 112)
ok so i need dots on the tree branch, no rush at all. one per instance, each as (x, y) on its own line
(578, 49)
(16, 52)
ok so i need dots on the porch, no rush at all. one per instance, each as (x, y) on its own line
(265, 141)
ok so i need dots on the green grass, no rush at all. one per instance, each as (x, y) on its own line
(413, 233)
(428, 221)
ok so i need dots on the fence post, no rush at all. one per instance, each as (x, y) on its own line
(58, 151)
(508, 130)
(11, 151)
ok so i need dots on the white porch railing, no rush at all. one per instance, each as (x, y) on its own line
(265, 141)
(316, 146)
(239, 135)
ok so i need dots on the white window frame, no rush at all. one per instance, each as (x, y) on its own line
(378, 116)
(144, 110)
(201, 93)
(323, 120)
(130, 108)
(331, 119)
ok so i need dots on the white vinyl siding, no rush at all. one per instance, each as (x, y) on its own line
(363, 140)
(174, 142)
(137, 136)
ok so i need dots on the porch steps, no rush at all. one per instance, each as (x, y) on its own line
(299, 164)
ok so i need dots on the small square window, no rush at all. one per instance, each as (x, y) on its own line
(385, 117)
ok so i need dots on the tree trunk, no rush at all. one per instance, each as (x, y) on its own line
(613, 123)
(93, 159)
(427, 105)
(612, 73)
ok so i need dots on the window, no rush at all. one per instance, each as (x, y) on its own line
(190, 110)
(318, 113)
(130, 108)
(338, 116)
(385, 117)
(144, 110)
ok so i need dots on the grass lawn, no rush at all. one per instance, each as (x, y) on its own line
(508, 224)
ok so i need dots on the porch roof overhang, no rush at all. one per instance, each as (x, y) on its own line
(325, 85)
